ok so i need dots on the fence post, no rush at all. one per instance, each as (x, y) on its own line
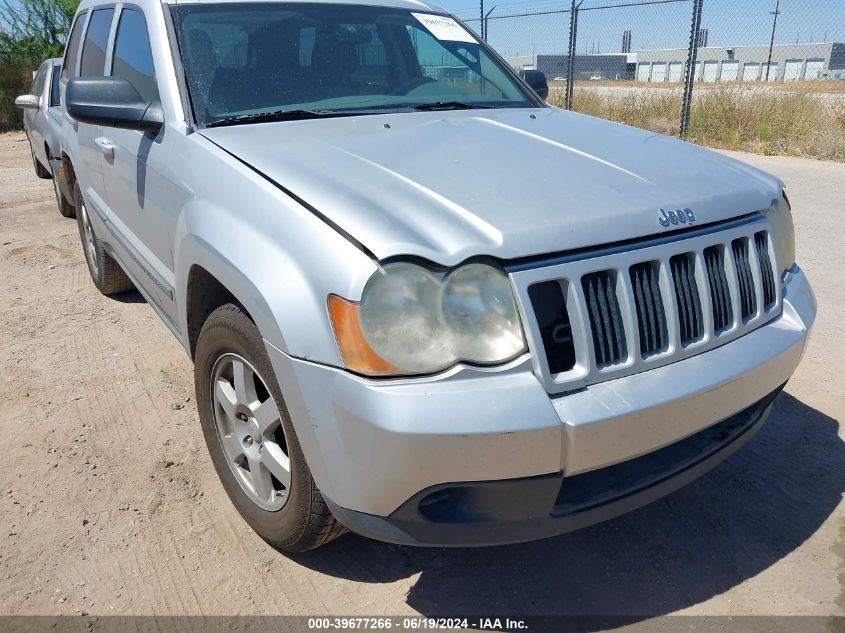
(570, 61)
(689, 73)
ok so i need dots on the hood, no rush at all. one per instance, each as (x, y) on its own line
(446, 186)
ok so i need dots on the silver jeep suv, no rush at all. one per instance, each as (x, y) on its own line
(421, 304)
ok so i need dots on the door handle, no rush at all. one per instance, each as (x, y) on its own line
(105, 145)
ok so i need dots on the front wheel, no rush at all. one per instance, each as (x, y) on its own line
(251, 439)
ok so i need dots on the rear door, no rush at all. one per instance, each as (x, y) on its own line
(140, 196)
(92, 63)
(54, 109)
(30, 117)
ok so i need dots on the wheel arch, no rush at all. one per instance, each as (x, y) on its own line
(204, 293)
(69, 172)
(206, 280)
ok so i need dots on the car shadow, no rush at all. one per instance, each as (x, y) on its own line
(728, 526)
(130, 296)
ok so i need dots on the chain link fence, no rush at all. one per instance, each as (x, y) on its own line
(761, 75)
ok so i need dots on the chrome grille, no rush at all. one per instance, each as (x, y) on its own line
(687, 299)
(618, 312)
(605, 318)
(720, 293)
(768, 277)
(747, 295)
(651, 317)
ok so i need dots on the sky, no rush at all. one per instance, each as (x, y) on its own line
(660, 25)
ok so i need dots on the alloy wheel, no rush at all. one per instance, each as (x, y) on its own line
(250, 431)
(88, 240)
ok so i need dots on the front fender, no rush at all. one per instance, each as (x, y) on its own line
(282, 283)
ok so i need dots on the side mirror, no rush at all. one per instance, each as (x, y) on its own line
(112, 102)
(27, 102)
(537, 80)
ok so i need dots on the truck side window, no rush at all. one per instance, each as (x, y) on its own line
(133, 58)
(38, 81)
(54, 86)
(96, 39)
(71, 52)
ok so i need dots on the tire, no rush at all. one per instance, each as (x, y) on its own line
(65, 207)
(294, 517)
(40, 170)
(106, 273)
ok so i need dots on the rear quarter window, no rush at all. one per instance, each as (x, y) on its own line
(133, 58)
(96, 39)
(54, 86)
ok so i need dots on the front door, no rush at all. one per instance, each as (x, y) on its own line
(93, 63)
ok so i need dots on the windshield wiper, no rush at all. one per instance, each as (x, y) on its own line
(449, 105)
(277, 115)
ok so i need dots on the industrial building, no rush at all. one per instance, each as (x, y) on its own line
(789, 62)
(596, 66)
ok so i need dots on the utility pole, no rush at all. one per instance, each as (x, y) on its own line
(486, 19)
(775, 13)
(481, 19)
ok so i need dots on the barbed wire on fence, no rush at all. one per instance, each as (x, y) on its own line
(671, 65)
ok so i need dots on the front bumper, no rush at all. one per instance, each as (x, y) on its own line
(474, 456)
(510, 511)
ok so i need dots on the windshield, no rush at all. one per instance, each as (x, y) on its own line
(246, 60)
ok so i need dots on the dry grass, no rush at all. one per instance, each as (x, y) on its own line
(657, 110)
(815, 86)
(795, 122)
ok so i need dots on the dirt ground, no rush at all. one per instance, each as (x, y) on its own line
(109, 503)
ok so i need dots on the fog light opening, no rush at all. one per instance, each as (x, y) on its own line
(438, 503)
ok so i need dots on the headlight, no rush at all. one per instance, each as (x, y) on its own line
(411, 321)
(783, 232)
(480, 315)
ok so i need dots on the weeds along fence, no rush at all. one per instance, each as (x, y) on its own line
(766, 76)
(15, 79)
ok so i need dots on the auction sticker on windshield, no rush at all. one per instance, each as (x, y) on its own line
(444, 28)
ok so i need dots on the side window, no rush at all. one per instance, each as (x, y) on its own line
(72, 51)
(133, 58)
(38, 81)
(94, 48)
(54, 86)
